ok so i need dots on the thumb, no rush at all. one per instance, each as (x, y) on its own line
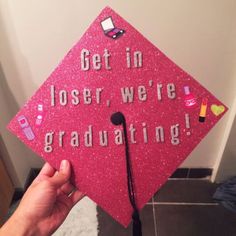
(63, 174)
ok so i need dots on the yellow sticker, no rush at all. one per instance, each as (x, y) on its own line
(217, 110)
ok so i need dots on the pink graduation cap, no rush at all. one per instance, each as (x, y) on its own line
(121, 112)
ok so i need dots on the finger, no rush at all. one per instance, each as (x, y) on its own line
(67, 188)
(76, 196)
(46, 171)
(63, 174)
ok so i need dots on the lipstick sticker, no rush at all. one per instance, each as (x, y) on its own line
(24, 124)
(203, 110)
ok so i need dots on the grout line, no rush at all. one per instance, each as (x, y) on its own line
(188, 173)
(189, 179)
(183, 203)
(154, 217)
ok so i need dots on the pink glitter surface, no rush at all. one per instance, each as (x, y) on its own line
(160, 102)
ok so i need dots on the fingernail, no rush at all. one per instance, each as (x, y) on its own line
(64, 165)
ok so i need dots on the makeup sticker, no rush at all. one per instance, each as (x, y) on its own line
(187, 124)
(189, 99)
(24, 124)
(203, 110)
(110, 30)
(39, 118)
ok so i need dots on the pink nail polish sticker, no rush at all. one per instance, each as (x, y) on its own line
(24, 124)
(190, 99)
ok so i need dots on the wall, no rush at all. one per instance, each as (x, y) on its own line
(226, 167)
(17, 158)
(197, 35)
(228, 164)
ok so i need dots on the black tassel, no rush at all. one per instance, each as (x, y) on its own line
(117, 119)
(137, 225)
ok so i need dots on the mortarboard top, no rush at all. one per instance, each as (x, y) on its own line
(167, 114)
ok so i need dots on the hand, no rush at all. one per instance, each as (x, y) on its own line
(45, 204)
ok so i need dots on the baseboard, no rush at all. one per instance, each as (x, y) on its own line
(19, 192)
(192, 173)
(31, 176)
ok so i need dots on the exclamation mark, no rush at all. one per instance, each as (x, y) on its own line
(187, 123)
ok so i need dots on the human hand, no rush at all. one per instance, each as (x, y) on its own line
(45, 204)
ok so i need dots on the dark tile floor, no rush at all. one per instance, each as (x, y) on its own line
(180, 208)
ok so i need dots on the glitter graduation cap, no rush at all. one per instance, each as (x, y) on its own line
(121, 112)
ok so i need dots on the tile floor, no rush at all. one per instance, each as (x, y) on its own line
(180, 208)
